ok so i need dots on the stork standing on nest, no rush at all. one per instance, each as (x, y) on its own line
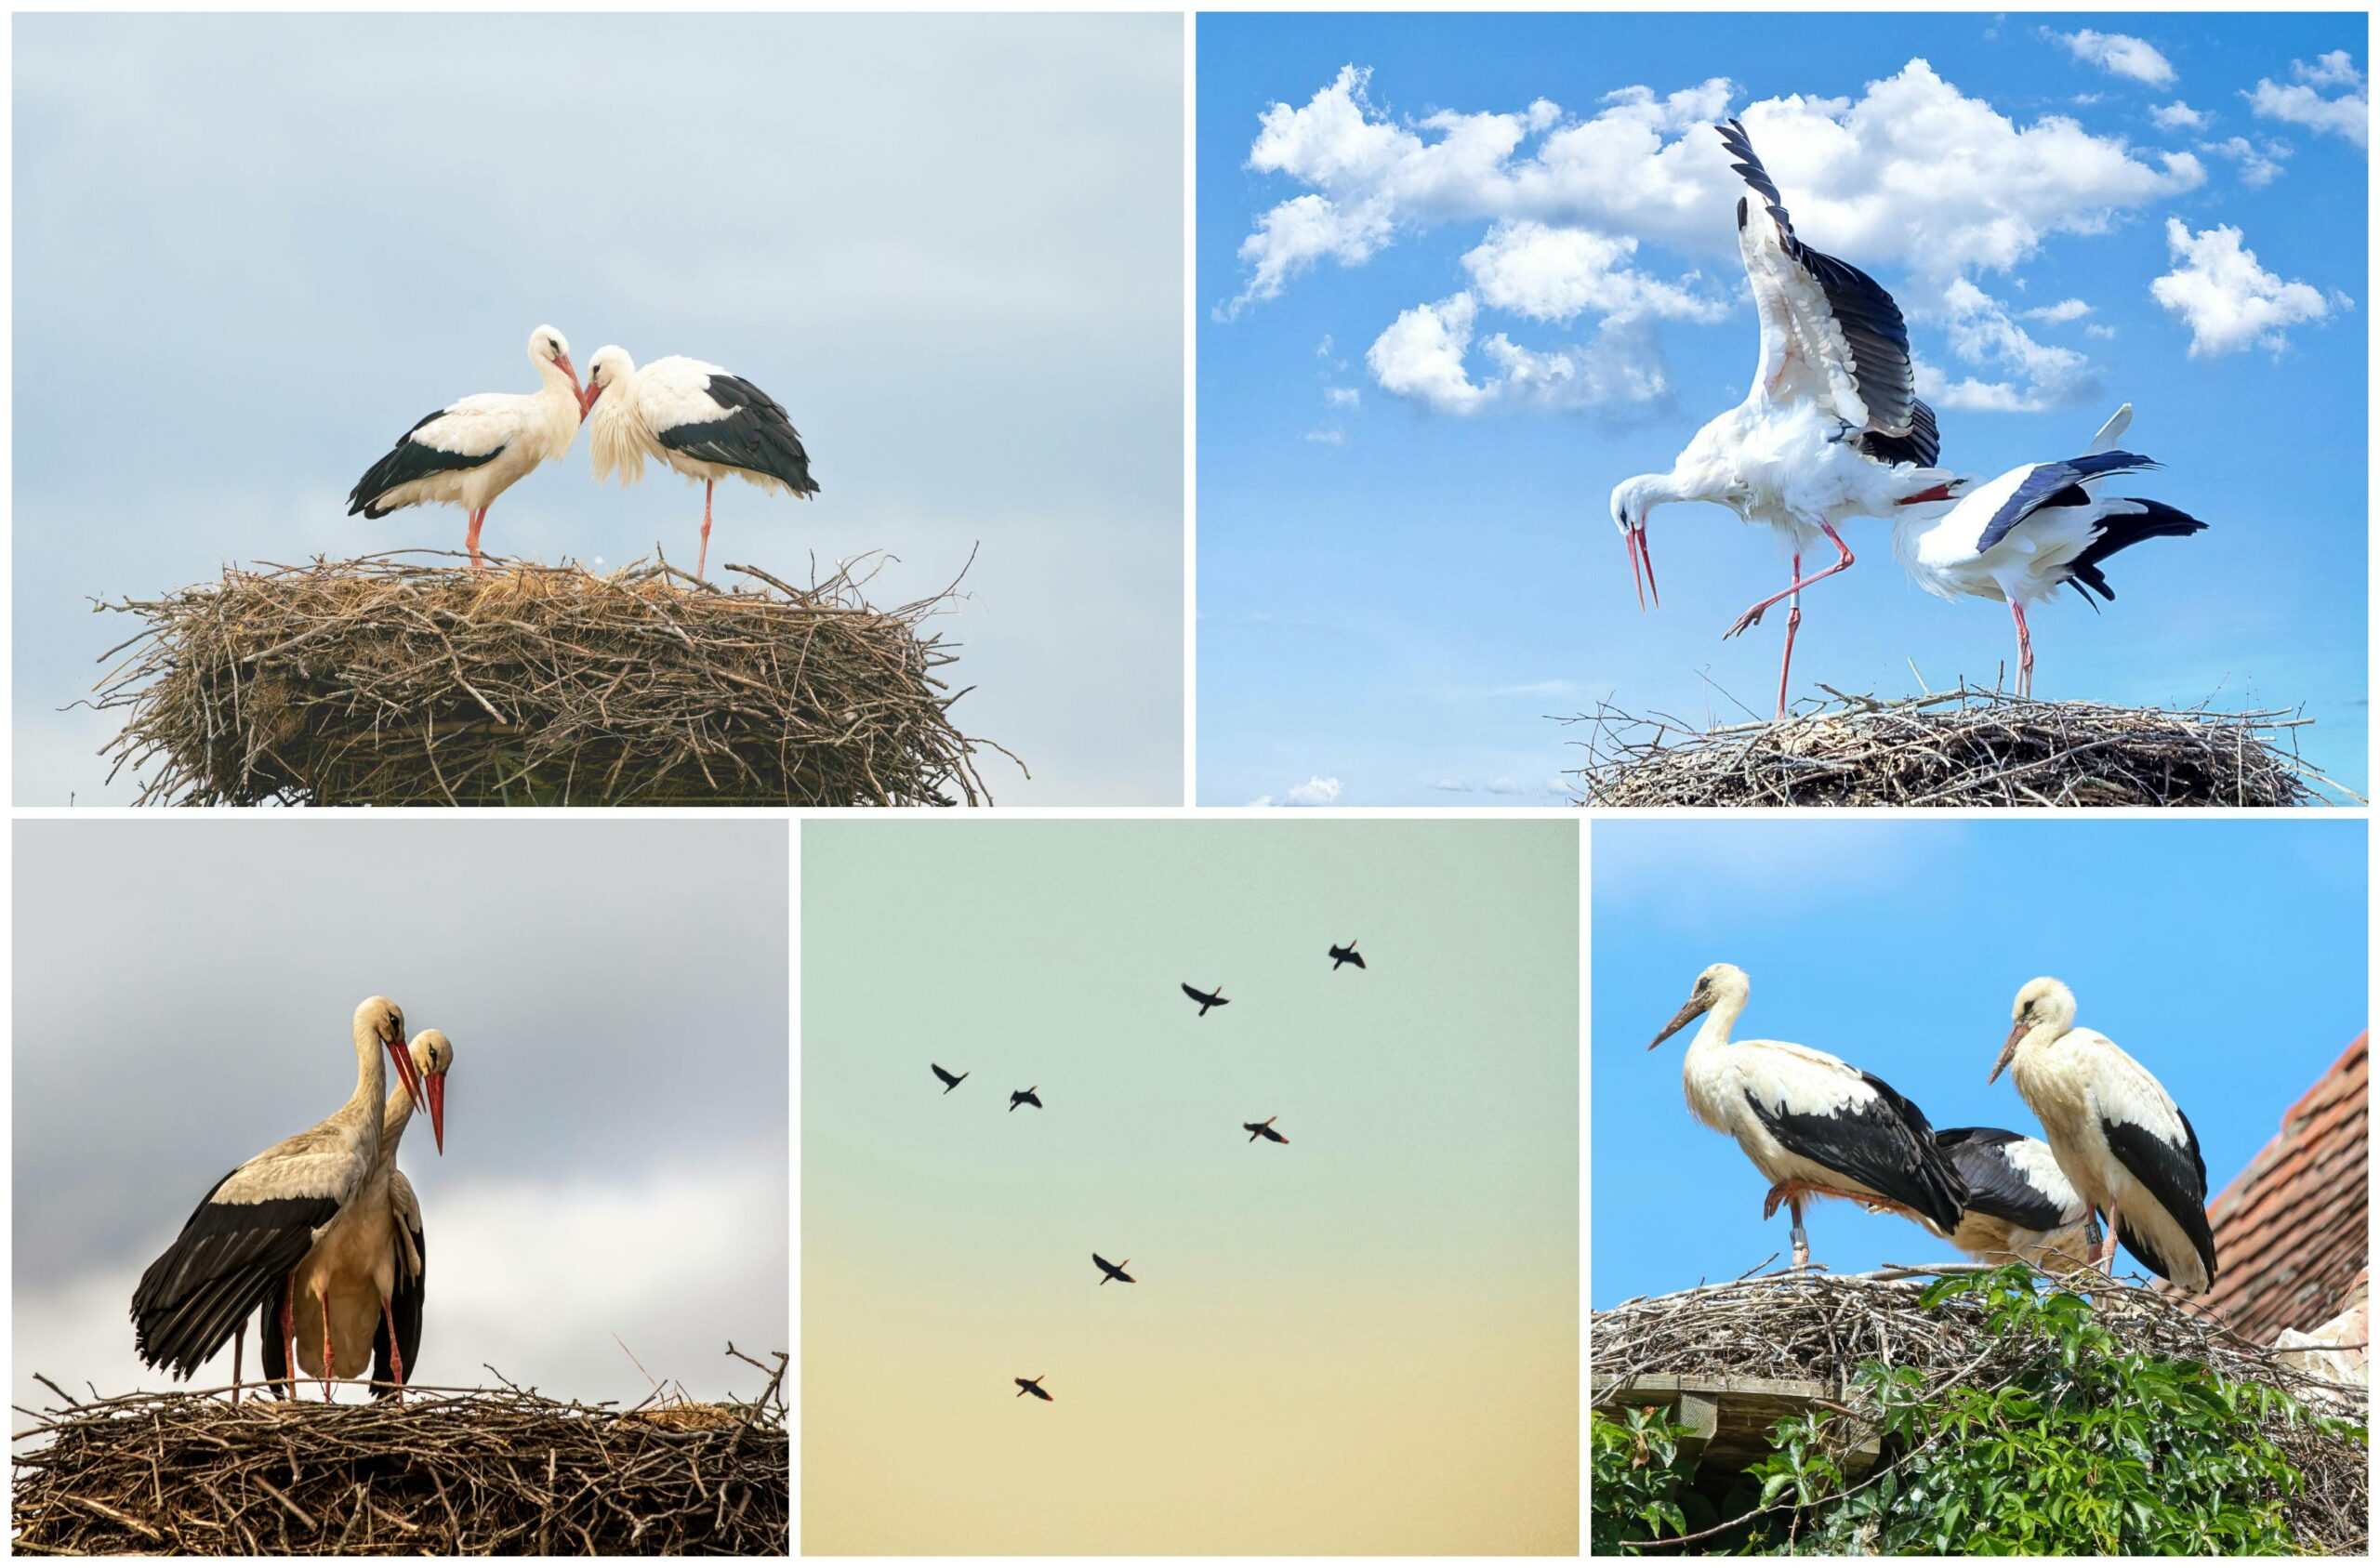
(473, 450)
(1812, 1124)
(260, 1220)
(698, 419)
(2034, 530)
(368, 1269)
(1832, 428)
(2020, 1207)
(2117, 1134)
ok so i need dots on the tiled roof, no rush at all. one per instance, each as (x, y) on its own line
(2289, 1230)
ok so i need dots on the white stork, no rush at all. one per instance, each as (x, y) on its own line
(368, 1265)
(2034, 530)
(257, 1223)
(2117, 1134)
(1812, 1124)
(2020, 1207)
(1832, 427)
(470, 451)
(696, 418)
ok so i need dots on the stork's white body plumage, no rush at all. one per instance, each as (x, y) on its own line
(2039, 527)
(1811, 1123)
(259, 1222)
(476, 448)
(1831, 427)
(695, 418)
(366, 1268)
(2118, 1135)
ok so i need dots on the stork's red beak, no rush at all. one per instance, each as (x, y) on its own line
(587, 400)
(1640, 561)
(1695, 1007)
(438, 1110)
(2008, 1051)
(401, 1052)
(575, 390)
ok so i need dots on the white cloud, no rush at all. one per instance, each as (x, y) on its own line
(2119, 53)
(1420, 355)
(2096, 329)
(1343, 397)
(1424, 355)
(2180, 116)
(1317, 791)
(2228, 301)
(1552, 274)
(2259, 165)
(1328, 435)
(1982, 332)
(2059, 314)
(2301, 103)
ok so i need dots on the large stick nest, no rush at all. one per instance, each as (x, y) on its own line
(378, 681)
(447, 1471)
(1819, 1327)
(1971, 746)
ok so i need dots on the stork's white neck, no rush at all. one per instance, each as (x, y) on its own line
(362, 1111)
(1718, 1022)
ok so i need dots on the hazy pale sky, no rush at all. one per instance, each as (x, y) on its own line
(616, 1158)
(1365, 1341)
(251, 251)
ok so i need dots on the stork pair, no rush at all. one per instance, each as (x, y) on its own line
(691, 417)
(320, 1235)
(1817, 1127)
(1832, 428)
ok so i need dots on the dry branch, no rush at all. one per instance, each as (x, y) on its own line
(380, 681)
(1970, 746)
(1819, 1327)
(448, 1471)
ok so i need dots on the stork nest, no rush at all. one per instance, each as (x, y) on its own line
(1819, 1327)
(447, 1471)
(1971, 746)
(378, 681)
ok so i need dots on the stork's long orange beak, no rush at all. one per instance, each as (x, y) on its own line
(401, 1052)
(438, 1110)
(2008, 1051)
(587, 397)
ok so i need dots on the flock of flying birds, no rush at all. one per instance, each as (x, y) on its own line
(1832, 429)
(1205, 1000)
(2114, 1143)
(690, 416)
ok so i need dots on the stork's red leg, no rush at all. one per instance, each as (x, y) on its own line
(1792, 626)
(472, 541)
(1750, 617)
(396, 1356)
(289, 1334)
(703, 558)
(2024, 651)
(323, 1296)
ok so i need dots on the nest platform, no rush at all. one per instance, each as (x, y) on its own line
(446, 1472)
(1971, 746)
(399, 682)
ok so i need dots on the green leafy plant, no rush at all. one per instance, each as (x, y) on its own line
(1637, 1488)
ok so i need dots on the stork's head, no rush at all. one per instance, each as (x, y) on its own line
(1632, 501)
(433, 1053)
(1719, 982)
(2043, 1003)
(610, 365)
(549, 346)
(380, 1022)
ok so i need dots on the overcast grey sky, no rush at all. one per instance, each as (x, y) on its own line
(251, 251)
(616, 1158)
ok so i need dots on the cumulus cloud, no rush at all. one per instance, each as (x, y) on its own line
(1983, 332)
(1343, 397)
(2228, 301)
(2259, 162)
(1425, 352)
(2179, 116)
(1553, 274)
(2059, 314)
(2118, 53)
(1317, 791)
(2348, 114)
(1420, 355)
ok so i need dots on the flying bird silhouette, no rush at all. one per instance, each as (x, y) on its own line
(1260, 1129)
(1346, 954)
(949, 1083)
(1112, 1270)
(1033, 1386)
(1206, 999)
(1024, 1097)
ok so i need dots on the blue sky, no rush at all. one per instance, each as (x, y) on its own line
(1405, 559)
(251, 251)
(2228, 957)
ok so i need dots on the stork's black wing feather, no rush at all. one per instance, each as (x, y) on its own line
(193, 1297)
(1862, 307)
(1994, 1184)
(276, 1349)
(2175, 1178)
(408, 461)
(1884, 1144)
(2119, 531)
(2047, 485)
(1922, 446)
(405, 1305)
(752, 432)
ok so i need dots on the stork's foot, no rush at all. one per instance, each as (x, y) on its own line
(1745, 621)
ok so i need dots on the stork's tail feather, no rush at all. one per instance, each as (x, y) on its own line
(2121, 531)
